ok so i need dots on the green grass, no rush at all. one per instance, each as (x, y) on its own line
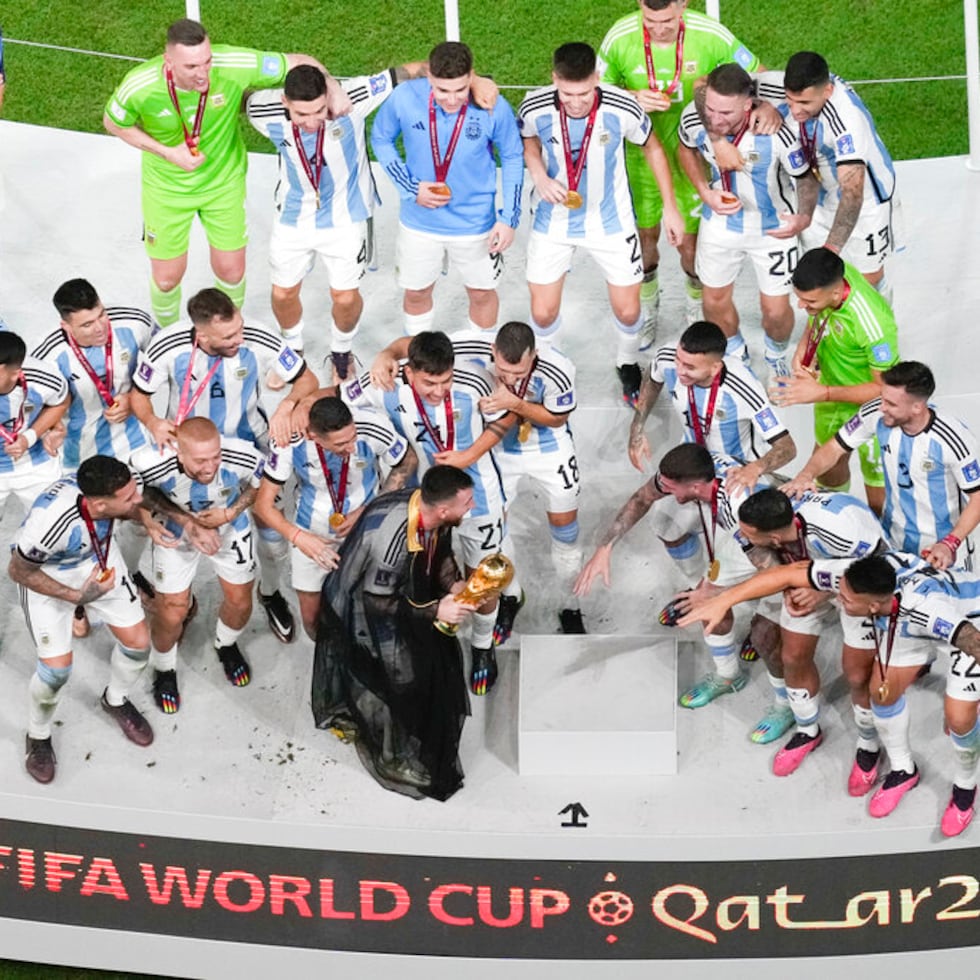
(513, 39)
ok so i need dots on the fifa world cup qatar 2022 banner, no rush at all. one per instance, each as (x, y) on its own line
(489, 907)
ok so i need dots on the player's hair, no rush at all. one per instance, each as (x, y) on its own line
(805, 69)
(658, 4)
(187, 32)
(767, 510)
(442, 483)
(574, 62)
(514, 339)
(688, 463)
(74, 295)
(13, 350)
(431, 351)
(199, 429)
(917, 380)
(704, 337)
(818, 269)
(731, 79)
(102, 476)
(872, 575)
(304, 83)
(209, 303)
(451, 59)
(329, 414)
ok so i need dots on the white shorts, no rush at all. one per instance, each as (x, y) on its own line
(876, 235)
(49, 620)
(478, 537)
(419, 257)
(617, 255)
(172, 570)
(962, 676)
(556, 473)
(812, 624)
(343, 251)
(721, 253)
(907, 652)
(27, 483)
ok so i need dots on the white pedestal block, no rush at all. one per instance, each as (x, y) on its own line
(597, 704)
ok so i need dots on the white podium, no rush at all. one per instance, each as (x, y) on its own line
(603, 705)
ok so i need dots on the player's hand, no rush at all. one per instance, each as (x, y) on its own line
(427, 198)
(484, 92)
(651, 101)
(214, 517)
(802, 601)
(163, 433)
(118, 411)
(53, 439)
(92, 588)
(451, 611)
(454, 457)
(17, 448)
(800, 484)
(281, 423)
(551, 190)
(338, 101)
(940, 555)
(182, 156)
(384, 370)
(673, 225)
(711, 613)
(790, 225)
(739, 477)
(501, 238)
(721, 202)
(639, 451)
(349, 521)
(158, 533)
(765, 119)
(598, 566)
(799, 389)
(203, 539)
(317, 549)
(502, 400)
(726, 155)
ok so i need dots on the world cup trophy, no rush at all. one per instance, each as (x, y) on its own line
(488, 580)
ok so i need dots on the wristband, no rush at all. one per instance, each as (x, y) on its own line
(30, 436)
(296, 534)
(952, 542)
(826, 393)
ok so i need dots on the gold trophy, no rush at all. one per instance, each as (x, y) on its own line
(490, 578)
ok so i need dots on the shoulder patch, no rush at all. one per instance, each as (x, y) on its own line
(882, 353)
(971, 471)
(942, 628)
(767, 419)
(845, 144)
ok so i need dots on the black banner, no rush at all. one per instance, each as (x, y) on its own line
(448, 906)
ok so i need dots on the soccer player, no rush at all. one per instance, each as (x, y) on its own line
(818, 525)
(751, 213)
(850, 339)
(181, 109)
(215, 368)
(338, 469)
(660, 52)
(64, 556)
(857, 177)
(899, 602)
(930, 463)
(574, 132)
(447, 183)
(435, 406)
(325, 195)
(33, 399)
(721, 406)
(202, 490)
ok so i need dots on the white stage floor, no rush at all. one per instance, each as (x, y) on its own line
(249, 765)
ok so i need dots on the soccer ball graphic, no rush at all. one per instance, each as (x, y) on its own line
(611, 908)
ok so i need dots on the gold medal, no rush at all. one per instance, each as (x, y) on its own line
(524, 430)
(728, 198)
(883, 691)
(573, 200)
(713, 569)
(336, 520)
(318, 200)
(103, 576)
(442, 190)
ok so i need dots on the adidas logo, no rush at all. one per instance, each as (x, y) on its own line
(553, 139)
(164, 112)
(418, 125)
(971, 687)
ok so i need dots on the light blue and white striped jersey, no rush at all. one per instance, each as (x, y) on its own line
(377, 444)
(552, 384)
(45, 386)
(926, 475)
(233, 397)
(240, 463)
(729, 500)
(608, 206)
(844, 132)
(764, 185)
(88, 432)
(54, 533)
(347, 190)
(472, 173)
(470, 383)
(837, 525)
(744, 423)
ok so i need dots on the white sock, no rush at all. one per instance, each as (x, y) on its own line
(892, 722)
(163, 660)
(778, 685)
(224, 635)
(340, 342)
(293, 335)
(418, 322)
(806, 709)
(723, 653)
(481, 635)
(864, 719)
(567, 560)
(628, 341)
(42, 701)
(273, 554)
(966, 749)
(125, 667)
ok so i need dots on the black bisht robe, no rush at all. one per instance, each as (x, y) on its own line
(381, 663)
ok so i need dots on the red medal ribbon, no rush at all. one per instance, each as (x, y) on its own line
(427, 539)
(678, 61)
(816, 330)
(809, 144)
(701, 434)
(889, 638)
(726, 177)
(785, 552)
(709, 539)
(338, 494)
(441, 164)
(202, 101)
(521, 389)
(10, 436)
(431, 429)
(186, 404)
(103, 387)
(100, 546)
(308, 168)
(574, 169)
